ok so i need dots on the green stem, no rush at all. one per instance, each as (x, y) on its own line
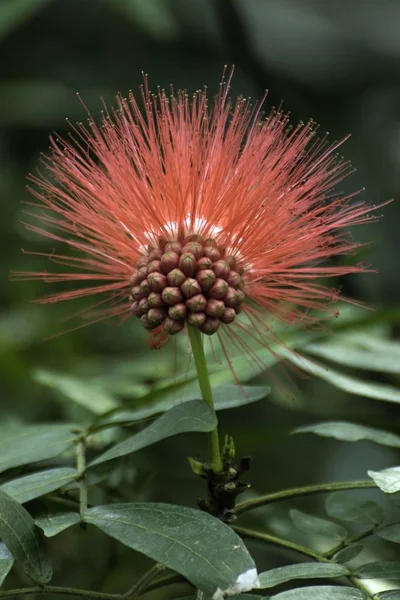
(81, 467)
(349, 541)
(196, 343)
(307, 490)
(65, 591)
(143, 582)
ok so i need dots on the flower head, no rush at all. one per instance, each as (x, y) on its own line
(180, 214)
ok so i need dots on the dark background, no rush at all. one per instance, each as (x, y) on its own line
(337, 61)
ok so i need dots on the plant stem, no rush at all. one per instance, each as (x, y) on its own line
(307, 490)
(65, 591)
(196, 343)
(81, 467)
(143, 582)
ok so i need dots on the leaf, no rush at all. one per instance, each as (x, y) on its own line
(388, 479)
(189, 416)
(274, 577)
(351, 432)
(86, 394)
(322, 592)
(384, 569)
(317, 526)
(15, 12)
(6, 562)
(389, 595)
(391, 533)
(225, 397)
(18, 531)
(352, 385)
(39, 484)
(54, 524)
(34, 443)
(198, 546)
(347, 554)
(346, 507)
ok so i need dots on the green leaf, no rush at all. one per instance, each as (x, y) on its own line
(34, 443)
(388, 479)
(274, 577)
(189, 416)
(322, 592)
(88, 395)
(351, 385)
(391, 533)
(201, 548)
(384, 569)
(317, 526)
(54, 524)
(346, 507)
(389, 595)
(19, 533)
(15, 12)
(347, 554)
(39, 484)
(351, 432)
(6, 562)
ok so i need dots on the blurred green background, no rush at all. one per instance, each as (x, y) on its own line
(337, 61)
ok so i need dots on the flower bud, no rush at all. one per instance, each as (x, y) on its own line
(154, 266)
(155, 254)
(206, 279)
(213, 253)
(241, 296)
(228, 315)
(178, 311)
(210, 326)
(142, 273)
(156, 281)
(235, 280)
(172, 327)
(204, 263)
(155, 300)
(219, 289)
(171, 295)
(231, 298)
(220, 268)
(190, 287)
(196, 319)
(135, 309)
(176, 277)
(175, 247)
(187, 264)
(145, 287)
(145, 322)
(143, 305)
(214, 308)
(210, 242)
(134, 280)
(193, 237)
(137, 293)
(231, 261)
(194, 248)
(196, 303)
(169, 261)
(156, 316)
(142, 262)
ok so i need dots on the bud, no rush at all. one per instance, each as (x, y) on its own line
(137, 293)
(196, 319)
(154, 266)
(213, 253)
(176, 277)
(134, 280)
(231, 298)
(155, 300)
(210, 326)
(172, 327)
(190, 287)
(206, 279)
(175, 247)
(221, 269)
(135, 309)
(142, 262)
(204, 263)
(169, 261)
(231, 261)
(178, 311)
(172, 295)
(210, 242)
(155, 254)
(194, 248)
(187, 264)
(219, 289)
(145, 322)
(235, 280)
(197, 303)
(241, 296)
(228, 316)
(145, 287)
(156, 316)
(142, 273)
(156, 281)
(193, 237)
(144, 305)
(214, 308)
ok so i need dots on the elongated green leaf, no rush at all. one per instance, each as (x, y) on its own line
(384, 569)
(322, 592)
(388, 479)
(347, 554)
(352, 385)
(54, 524)
(33, 486)
(201, 548)
(90, 396)
(18, 531)
(389, 595)
(351, 432)
(346, 507)
(317, 526)
(274, 577)
(189, 416)
(6, 562)
(391, 533)
(34, 443)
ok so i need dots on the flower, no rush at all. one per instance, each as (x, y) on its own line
(182, 214)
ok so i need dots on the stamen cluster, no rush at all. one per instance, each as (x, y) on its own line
(195, 281)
